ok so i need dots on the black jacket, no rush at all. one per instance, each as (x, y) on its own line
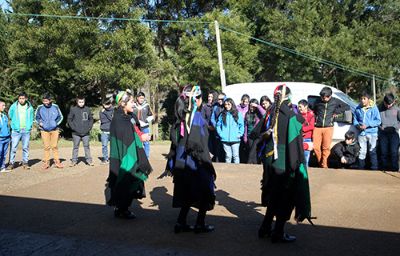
(106, 115)
(324, 111)
(80, 120)
(350, 152)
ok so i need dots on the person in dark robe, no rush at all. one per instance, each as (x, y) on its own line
(129, 166)
(190, 163)
(285, 180)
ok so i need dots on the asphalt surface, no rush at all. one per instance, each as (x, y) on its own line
(62, 212)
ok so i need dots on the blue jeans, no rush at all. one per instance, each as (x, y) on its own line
(307, 153)
(3, 151)
(105, 138)
(389, 146)
(368, 141)
(146, 144)
(231, 151)
(23, 136)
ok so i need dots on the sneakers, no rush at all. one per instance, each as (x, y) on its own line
(105, 162)
(58, 164)
(45, 165)
(90, 163)
(4, 170)
(10, 167)
(72, 164)
(26, 166)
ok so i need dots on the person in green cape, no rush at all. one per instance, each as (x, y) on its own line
(285, 180)
(129, 166)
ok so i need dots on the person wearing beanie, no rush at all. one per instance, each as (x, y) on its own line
(367, 120)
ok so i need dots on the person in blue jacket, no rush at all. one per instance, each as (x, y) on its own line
(4, 136)
(21, 115)
(367, 120)
(49, 117)
(230, 128)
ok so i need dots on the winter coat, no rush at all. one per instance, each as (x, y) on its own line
(48, 117)
(106, 116)
(144, 114)
(4, 128)
(232, 131)
(349, 151)
(242, 109)
(368, 116)
(215, 114)
(324, 111)
(14, 116)
(80, 120)
(308, 125)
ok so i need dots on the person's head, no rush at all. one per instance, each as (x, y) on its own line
(265, 102)
(2, 106)
(389, 100)
(282, 92)
(326, 94)
(349, 137)
(364, 98)
(229, 105)
(140, 97)
(188, 100)
(46, 99)
(221, 98)
(253, 101)
(22, 97)
(303, 106)
(125, 101)
(80, 101)
(245, 100)
(212, 97)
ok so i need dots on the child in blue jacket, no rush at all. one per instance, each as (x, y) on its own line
(367, 120)
(230, 128)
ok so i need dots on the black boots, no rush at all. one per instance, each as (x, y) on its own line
(203, 228)
(124, 214)
(182, 228)
(282, 238)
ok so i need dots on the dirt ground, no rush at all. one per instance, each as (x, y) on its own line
(62, 212)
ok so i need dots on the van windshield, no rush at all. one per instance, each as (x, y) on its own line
(346, 98)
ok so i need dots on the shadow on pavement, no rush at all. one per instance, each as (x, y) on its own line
(30, 225)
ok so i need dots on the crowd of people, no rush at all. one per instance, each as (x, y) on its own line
(276, 133)
(233, 127)
(17, 124)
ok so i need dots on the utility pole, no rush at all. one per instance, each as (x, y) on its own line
(221, 64)
(373, 88)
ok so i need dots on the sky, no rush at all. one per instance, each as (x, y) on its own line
(3, 4)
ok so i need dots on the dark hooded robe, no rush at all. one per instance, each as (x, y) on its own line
(129, 166)
(285, 183)
(190, 164)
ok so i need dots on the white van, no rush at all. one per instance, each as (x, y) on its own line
(300, 90)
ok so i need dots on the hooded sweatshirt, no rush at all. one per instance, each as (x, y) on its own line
(369, 116)
(80, 120)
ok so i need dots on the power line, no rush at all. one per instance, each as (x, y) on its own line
(311, 57)
(102, 18)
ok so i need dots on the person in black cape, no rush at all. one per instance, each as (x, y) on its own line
(129, 166)
(285, 180)
(189, 162)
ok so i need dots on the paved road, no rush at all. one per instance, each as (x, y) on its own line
(62, 212)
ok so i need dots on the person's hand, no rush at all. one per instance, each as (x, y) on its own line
(363, 127)
(343, 160)
(335, 115)
(145, 137)
(253, 105)
(41, 124)
(310, 146)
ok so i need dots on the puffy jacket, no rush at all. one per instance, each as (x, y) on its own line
(232, 131)
(80, 120)
(48, 118)
(4, 128)
(369, 116)
(14, 116)
(324, 111)
(349, 151)
(308, 125)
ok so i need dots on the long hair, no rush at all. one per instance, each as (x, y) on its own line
(234, 112)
